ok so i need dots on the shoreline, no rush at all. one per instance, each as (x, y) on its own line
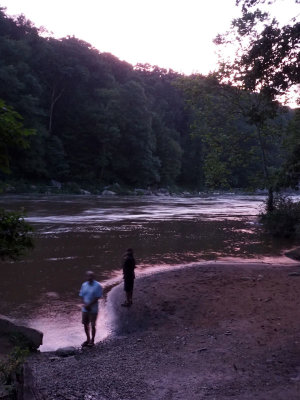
(205, 331)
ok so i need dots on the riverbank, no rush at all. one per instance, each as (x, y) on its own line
(54, 187)
(219, 331)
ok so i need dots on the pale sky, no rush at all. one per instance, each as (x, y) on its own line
(173, 34)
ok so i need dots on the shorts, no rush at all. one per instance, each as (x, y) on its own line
(128, 285)
(89, 318)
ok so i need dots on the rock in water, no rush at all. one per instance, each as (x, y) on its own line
(32, 336)
(108, 193)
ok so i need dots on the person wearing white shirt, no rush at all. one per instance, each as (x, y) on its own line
(91, 291)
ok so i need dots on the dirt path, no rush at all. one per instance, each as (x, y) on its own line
(207, 332)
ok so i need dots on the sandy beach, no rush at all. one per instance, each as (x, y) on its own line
(218, 331)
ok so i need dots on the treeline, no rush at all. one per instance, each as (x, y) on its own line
(98, 120)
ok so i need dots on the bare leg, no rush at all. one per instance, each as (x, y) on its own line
(93, 333)
(128, 298)
(87, 332)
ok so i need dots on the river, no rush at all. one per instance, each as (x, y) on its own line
(78, 233)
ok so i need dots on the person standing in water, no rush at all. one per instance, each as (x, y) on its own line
(128, 267)
(91, 292)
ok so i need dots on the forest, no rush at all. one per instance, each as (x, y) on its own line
(87, 119)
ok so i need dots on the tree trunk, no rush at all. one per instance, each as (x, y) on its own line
(54, 99)
(270, 201)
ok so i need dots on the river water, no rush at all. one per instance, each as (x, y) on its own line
(78, 233)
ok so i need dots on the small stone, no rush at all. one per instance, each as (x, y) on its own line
(52, 295)
(246, 278)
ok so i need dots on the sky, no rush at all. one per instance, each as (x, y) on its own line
(173, 34)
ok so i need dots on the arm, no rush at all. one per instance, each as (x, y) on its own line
(92, 302)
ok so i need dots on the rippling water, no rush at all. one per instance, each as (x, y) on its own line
(76, 233)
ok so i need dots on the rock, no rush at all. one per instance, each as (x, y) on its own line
(66, 351)
(202, 349)
(52, 295)
(261, 191)
(115, 188)
(139, 192)
(29, 390)
(108, 193)
(54, 358)
(86, 192)
(163, 191)
(9, 189)
(294, 274)
(268, 299)
(293, 254)
(55, 184)
(32, 336)
(6, 392)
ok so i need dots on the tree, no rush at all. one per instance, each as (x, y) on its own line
(14, 231)
(228, 141)
(135, 160)
(12, 134)
(99, 120)
(267, 59)
(264, 67)
(290, 173)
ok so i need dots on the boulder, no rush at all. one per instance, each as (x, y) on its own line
(6, 392)
(66, 351)
(10, 189)
(56, 184)
(139, 192)
(293, 254)
(108, 193)
(32, 336)
(82, 191)
(163, 191)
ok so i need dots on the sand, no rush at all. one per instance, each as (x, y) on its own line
(217, 331)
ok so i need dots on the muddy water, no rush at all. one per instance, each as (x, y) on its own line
(76, 233)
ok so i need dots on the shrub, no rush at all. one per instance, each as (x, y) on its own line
(284, 220)
(12, 364)
(15, 238)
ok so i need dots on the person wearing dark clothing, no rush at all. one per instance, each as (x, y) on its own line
(128, 267)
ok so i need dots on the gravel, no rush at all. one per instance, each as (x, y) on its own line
(197, 333)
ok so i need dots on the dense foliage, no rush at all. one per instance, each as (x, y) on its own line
(15, 238)
(12, 134)
(284, 220)
(265, 66)
(99, 120)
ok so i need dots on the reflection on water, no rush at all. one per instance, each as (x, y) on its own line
(76, 233)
